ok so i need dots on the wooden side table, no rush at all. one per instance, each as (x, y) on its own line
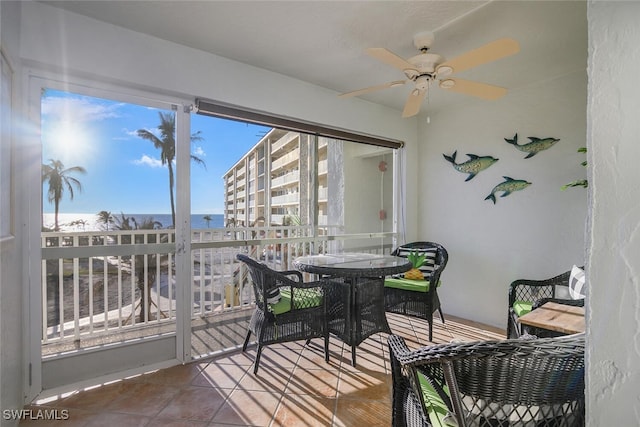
(566, 319)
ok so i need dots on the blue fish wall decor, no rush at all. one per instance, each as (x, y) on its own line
(472, 166)
(507, 186)
(534, 146)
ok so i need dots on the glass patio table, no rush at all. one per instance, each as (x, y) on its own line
(355, 293)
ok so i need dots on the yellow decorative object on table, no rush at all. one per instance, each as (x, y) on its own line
(417, 260)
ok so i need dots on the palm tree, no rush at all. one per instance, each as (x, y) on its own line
(59, 180)
(105, 218)
(166, 143)
(207, 219)
(144, 287)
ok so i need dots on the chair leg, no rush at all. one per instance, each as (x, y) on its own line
(246, 341)
(441, 314)
(430, 319)
(326, 348)
(256, 364)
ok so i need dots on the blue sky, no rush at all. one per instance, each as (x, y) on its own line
(124, 173)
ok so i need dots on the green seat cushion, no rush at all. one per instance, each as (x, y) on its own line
(302, 298)
(522, 307)
(435, 406)
(408, 285)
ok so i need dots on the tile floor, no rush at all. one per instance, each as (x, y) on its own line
(294, 386)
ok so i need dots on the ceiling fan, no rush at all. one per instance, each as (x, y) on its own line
(426, 68)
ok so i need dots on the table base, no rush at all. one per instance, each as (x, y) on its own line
(356, 310)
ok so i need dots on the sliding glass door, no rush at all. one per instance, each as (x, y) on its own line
(105, 218)
(138, 209)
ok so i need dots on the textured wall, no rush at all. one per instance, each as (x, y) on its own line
(613, 371)
(534, 233)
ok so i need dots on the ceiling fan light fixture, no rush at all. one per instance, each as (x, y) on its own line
(444, 71)
(447, 84)
(422, 82)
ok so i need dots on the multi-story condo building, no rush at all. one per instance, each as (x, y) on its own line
(292, 178)
(275, 182)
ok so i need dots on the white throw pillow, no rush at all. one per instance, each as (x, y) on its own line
(577, 280)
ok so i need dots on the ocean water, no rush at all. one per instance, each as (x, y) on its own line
(89, 222)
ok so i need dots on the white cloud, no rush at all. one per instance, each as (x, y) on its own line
(78, 109)
(199, 151)
(148, 161)
(127, 135)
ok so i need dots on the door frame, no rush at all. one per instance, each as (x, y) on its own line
(173, 349)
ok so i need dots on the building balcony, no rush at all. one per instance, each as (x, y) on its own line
(287, 159)
(286, 179)
(323, 194)
(323, 167)
(288, 139)
(286, 199)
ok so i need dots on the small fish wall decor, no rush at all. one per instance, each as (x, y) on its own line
(508, 186)
(534, 146)
(472, 166)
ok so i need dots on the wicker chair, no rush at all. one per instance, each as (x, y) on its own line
(299, 315)
(534, 382)
(536, 293)
(414, 303)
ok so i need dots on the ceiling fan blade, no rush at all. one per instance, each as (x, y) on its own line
(412, 106)
(468, 87)
(372, 89)
(493, 51)
(389, 57)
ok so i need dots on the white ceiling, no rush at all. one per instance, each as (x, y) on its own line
(324, 42)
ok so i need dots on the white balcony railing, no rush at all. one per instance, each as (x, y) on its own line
(323, 194)
(286, 199)
(284, 141)
(285, 179)
(100, 283)
(322, 167)
(288, 158)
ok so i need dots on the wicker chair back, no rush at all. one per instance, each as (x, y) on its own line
(420, 304)
(537, 382)
(303, 315)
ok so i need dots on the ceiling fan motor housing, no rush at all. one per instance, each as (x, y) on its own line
(426, 62)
